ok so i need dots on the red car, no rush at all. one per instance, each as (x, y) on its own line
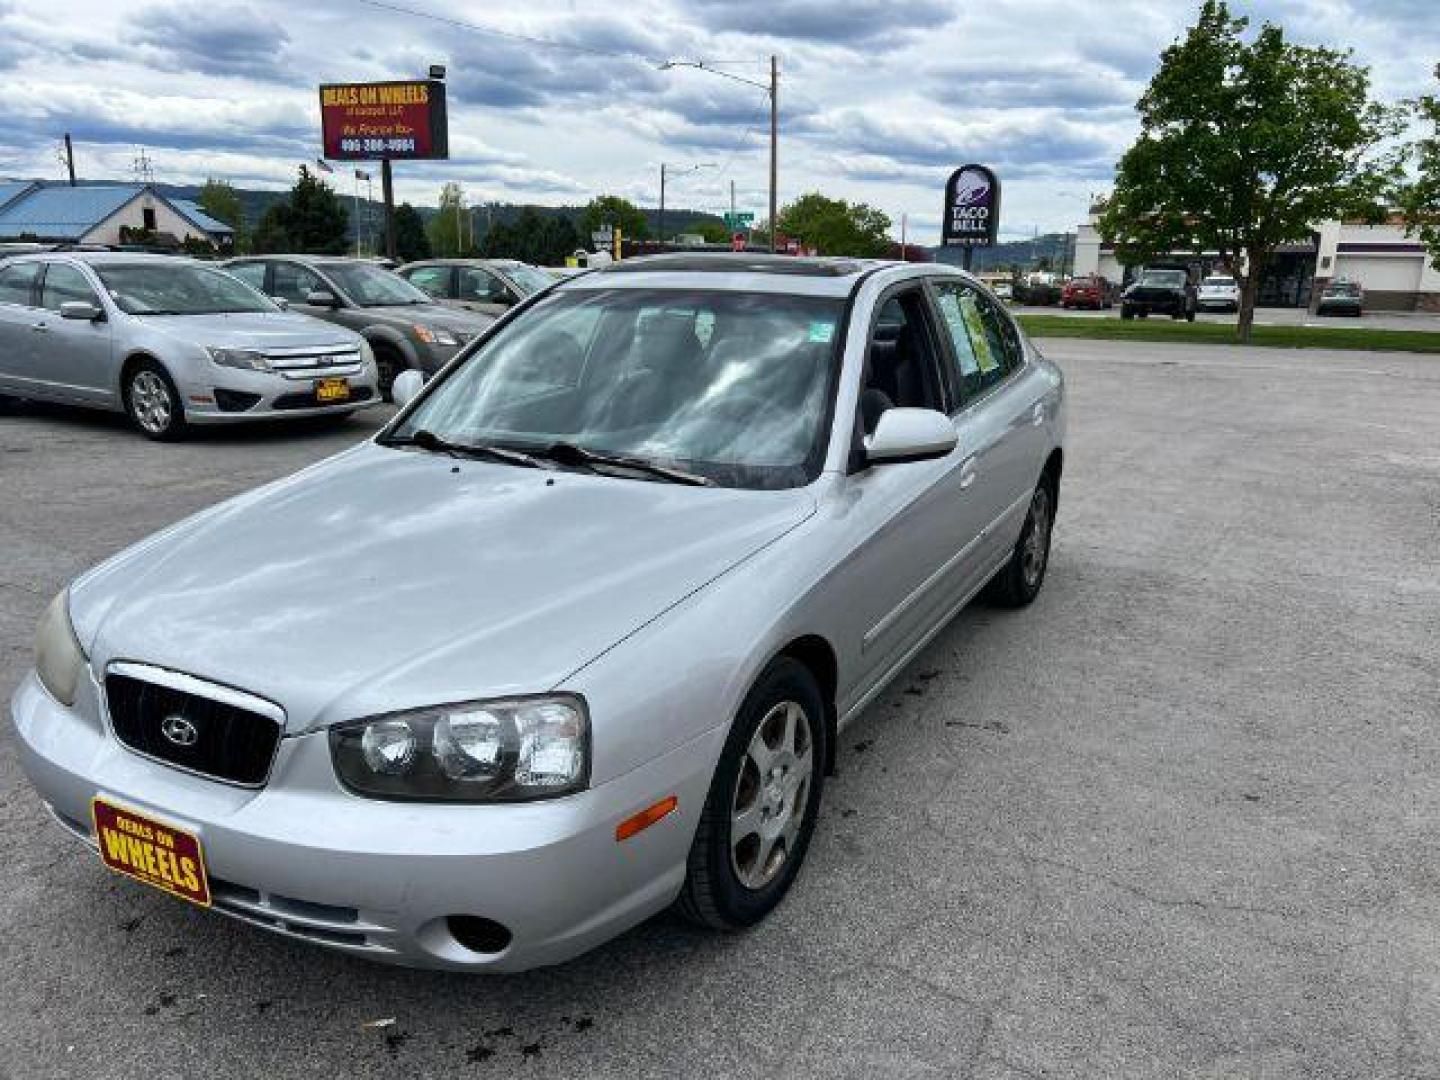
(1087, 292)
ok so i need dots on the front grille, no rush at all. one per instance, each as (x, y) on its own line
(229, 743)
(307, 400)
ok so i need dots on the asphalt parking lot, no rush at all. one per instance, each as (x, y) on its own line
(1177, 818)
(1268, 316)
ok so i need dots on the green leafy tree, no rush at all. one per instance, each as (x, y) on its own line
(450, 229)
(411, 240)
(713, 231)
(533, 237)
(1420, 200)
(222, 202)
(836, 227)
(1246, 144)
(312, 221)
(613, 210)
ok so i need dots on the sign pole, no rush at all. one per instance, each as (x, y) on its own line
(774, 143)
(387, 190)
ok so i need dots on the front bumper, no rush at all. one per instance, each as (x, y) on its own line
(304, 858)
(223, 395)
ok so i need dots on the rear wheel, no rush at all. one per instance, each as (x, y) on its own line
(1020, 579)
(763, 801)
(153, 402)
(1126, 312)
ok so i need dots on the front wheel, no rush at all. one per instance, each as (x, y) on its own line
(763, 801)
(1126, 312)
(1019, 581)
(153, 403)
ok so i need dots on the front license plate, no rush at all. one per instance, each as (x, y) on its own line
(151, 851)
(328, 390)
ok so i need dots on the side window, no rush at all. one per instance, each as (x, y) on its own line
(901, 368)
(15, 283)
(432, 280)
(253, 274)
(987, 347)
(64, 283)
(481, 286)
(294, 282)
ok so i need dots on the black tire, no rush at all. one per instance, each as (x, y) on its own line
(1019, 581)
(153, 403)
(389, 363)
(1190, 315)
(1142, 314)
(1126, 312)
(714, 895)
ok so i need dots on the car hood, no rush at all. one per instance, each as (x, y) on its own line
(434, 314)
(251, 330)
(386, 579)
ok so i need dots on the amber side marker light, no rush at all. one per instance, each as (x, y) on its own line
(647, 817)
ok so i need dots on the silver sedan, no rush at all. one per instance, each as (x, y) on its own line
(572, 639)
(170, 341)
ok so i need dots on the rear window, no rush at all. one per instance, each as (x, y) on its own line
(1166, 278)
(1222, 281)
(1344, 288)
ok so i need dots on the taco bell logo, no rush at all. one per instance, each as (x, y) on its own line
(972, 207)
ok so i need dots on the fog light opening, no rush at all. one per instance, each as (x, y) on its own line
(478, 934)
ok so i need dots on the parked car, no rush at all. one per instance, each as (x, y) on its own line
(405, 328)
(1087, 292)
(1005, 290)
(491, 286)
(170, 341)
(1159, 290)
(1341, 298)
(1218, 293)
(613, 581)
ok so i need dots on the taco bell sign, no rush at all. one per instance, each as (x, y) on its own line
(972, 208)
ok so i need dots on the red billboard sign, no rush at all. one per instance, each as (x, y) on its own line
(375, 121)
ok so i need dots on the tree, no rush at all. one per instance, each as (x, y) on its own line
(1245, 145)
(449, 230)
(312, 221)
(411, 240)
(1420, 200)
(539, 239)
(713, 231)
(836, 227)
(613, 210)
(222, 202)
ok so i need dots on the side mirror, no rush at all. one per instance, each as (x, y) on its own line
(83, 310)
(406, 385)
(322, 298)
(910, 435)
(280, 302)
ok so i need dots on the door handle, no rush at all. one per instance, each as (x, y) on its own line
(1037, 414)
(967, 472)
(40, 327)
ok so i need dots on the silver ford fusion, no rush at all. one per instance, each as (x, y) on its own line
(612, 582)
(170, 341)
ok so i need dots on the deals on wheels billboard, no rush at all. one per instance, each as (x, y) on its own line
(384, 120)
(972, 208)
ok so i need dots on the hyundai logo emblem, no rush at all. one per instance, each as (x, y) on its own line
(180, 731)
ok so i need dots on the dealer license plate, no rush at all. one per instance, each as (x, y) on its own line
(151, 851)
(328, 390)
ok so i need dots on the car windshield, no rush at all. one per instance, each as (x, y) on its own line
(735, 387)
(1220, 282)
(178, 288)
(372, 286)
(1344, 288)
(527, 278)
(1166, 278)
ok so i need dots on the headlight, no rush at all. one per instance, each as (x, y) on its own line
(367, 354)
(480, 751)
(433, 335)
(59, 660)
(240, 358)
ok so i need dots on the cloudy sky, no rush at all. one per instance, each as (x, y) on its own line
(879, 98)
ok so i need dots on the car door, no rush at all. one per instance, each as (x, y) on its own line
(910, 535)
(19, 339)
(75, 354)
(480, 290)
(1002, 420)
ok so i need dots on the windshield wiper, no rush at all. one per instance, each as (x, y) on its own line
(428, 440)
(565, 453)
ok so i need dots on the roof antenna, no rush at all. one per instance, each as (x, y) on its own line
(142, 167)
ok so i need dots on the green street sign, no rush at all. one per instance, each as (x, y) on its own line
(742, 219)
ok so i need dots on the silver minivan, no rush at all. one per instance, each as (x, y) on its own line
(170, 341)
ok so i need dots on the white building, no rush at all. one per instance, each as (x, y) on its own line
(1392, 268)
(96, 214)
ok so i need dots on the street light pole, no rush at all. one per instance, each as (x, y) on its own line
(664, 166)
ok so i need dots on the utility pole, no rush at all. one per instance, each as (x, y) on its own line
(732, 199)
(662, 207)
(904, 247)
(70, 158)
(774, 142)
(387, 192)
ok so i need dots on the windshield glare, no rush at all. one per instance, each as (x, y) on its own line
(528, 279)
(372, 286)
(166, 288)
(733, 386)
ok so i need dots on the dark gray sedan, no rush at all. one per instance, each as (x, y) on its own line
(489, 286)
(405, 328)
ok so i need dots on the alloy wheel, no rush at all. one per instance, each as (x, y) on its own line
(150, 402)
(772, 795)
(1037, 540)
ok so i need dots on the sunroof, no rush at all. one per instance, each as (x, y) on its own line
(726, 263)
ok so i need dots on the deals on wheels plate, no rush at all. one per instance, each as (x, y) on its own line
(151, 851)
